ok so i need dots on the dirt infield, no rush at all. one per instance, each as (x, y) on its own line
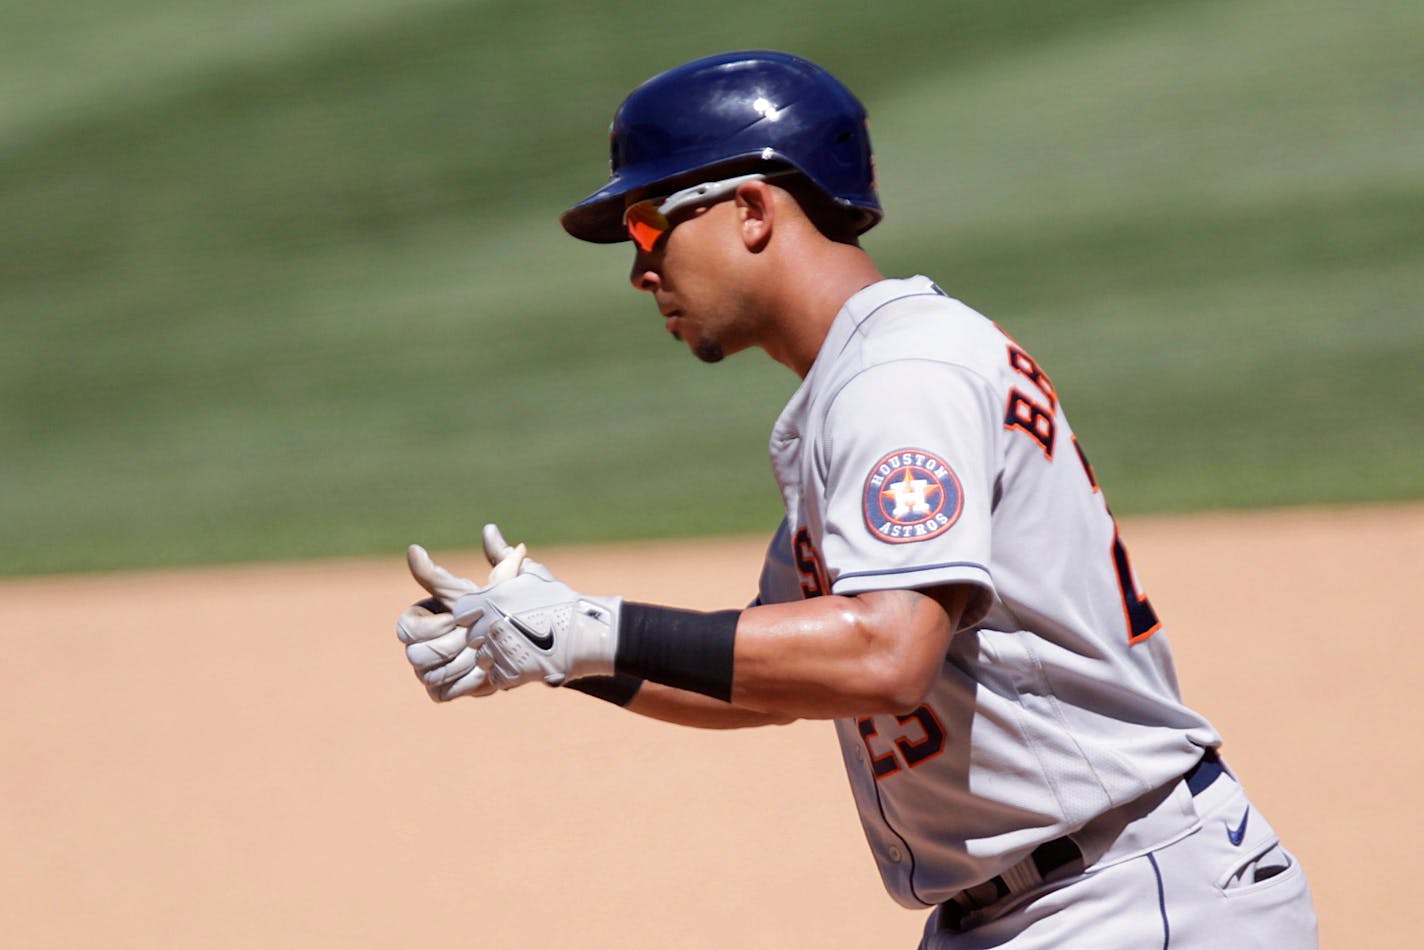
(241, 758)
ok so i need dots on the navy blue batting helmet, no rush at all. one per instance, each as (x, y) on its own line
(731, 110)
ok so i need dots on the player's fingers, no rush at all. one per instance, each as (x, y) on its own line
(474, 683)
(429, 654)
(416, 623)
(459, 665)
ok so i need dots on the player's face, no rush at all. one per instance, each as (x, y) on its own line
(693, 272)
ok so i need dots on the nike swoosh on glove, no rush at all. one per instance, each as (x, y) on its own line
(535, 627)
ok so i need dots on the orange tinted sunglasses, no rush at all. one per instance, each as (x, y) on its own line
(648, 220)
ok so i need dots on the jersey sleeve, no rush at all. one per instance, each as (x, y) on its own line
(908, 456)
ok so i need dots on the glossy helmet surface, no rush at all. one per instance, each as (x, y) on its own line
(734, 110)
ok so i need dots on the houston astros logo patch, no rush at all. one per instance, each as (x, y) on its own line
(911, 495)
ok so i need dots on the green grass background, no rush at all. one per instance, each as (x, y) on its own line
(285, 279)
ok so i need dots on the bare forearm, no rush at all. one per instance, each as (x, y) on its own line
(693, 709)
(841, 656)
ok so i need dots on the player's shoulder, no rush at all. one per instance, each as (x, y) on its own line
(915, 319)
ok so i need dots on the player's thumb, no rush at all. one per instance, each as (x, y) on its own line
(508, 567)
(496, 548)
(508, 562)
(435, 578)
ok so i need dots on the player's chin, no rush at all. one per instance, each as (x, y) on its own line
(704, 348)
(708, 351)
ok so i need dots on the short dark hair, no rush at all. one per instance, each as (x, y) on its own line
(835, 221)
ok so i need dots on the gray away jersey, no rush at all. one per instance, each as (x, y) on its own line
(926, 448)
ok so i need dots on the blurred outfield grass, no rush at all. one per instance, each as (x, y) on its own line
(284, 279)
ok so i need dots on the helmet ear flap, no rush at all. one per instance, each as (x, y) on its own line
(739, 110)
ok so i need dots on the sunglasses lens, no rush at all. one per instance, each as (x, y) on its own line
(645, 224)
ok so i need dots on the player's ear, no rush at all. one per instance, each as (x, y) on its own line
(756, 209)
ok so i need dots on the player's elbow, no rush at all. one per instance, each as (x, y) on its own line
(903, 643)
(896, 685)
(896, 673)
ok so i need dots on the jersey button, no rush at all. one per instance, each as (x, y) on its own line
(895, 854)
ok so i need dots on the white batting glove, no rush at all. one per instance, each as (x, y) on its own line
(535, 627)
(436, 646)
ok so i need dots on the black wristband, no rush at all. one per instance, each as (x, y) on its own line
(685, 649)
(617, 689)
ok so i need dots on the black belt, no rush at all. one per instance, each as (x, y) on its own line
(1055, 855)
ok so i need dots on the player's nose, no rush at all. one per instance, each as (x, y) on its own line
(643, 276)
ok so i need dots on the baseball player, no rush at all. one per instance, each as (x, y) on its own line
(948, 585)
